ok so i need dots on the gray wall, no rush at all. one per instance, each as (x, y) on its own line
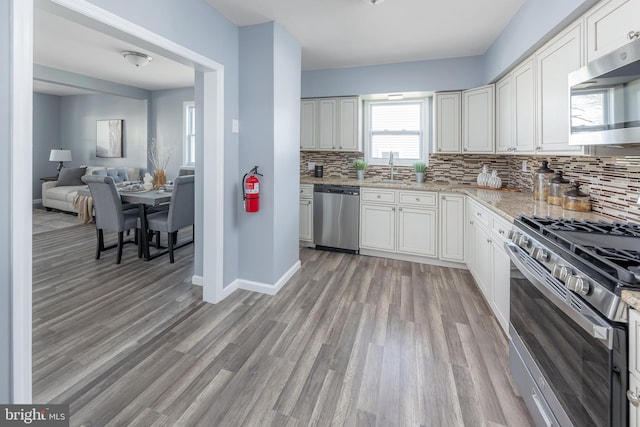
(167, 109)
(533, 24)
(5, 212)
(78, 116)
(269, 115)
(46, 135)
(287, 63)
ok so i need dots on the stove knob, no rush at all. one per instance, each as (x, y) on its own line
(578, 285)
(524, 242)
(540, 254)
(560, 272)
(512, 235)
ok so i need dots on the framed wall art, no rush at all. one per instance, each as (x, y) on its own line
(109, 138)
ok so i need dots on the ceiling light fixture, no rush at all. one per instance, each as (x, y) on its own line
(136, 58)
(373, 2)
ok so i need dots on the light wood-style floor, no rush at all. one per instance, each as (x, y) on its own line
(350, 340)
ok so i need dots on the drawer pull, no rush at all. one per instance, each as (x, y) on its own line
(501, 231)
(378, 196)
(478, 213)
(417, 199)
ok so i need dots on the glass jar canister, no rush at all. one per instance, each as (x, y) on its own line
(576, 200)
(541, 182)
(558, 185)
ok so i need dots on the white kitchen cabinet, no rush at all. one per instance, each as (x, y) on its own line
(478, 120)
(399, 221)
(306, 214)
(634, 411)
(554, 62)
(327, 123)
(417, 231)
(489, 263)
(330, 124)
(634, 367)
(452, 225)
(609, 25)
(348, 132)
(378, 227)
(308, 126)
(504, 115)
(447, 122)
(524, 91)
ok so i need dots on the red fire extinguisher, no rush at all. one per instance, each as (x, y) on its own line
(251, 190)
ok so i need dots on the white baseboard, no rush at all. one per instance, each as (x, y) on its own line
(414, 258)
(229, 289)
(265, 288)
(197, 280)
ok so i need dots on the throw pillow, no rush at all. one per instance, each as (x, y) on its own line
(122, 173)
(100, 172)
(113, 173)
(70, 176)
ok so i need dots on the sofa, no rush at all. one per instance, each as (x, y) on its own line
(60, 194)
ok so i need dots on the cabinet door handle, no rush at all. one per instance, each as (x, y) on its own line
(501, 231)
(309, 202)
(400, 209)
(340, 148)
(393, 209)
(488, 240)
(439, 149)
(442, 198)
(465, 149)
(478, 213)
(632, 35)
(471, 222)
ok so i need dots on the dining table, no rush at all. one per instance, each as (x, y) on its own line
(143, 199)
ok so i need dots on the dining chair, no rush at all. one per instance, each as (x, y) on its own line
(179, 215)
(109, 213)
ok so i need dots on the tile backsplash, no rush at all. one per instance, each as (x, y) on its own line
(612, 182)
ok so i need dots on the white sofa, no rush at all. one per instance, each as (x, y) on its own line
(61, 198)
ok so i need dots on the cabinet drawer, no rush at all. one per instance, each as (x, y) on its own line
(500, 227)
(480, 215)
(306, 191)
(420, 198)
(377, 195)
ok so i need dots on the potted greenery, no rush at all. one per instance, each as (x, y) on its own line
(419, 168)
(360, 166)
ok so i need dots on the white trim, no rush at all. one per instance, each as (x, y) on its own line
(230, 288)
(213, 182)
(21, 113)
(265, 288)
(185, 134)
(414, 258)
(21, 34)
(196, 280)
(36, 201)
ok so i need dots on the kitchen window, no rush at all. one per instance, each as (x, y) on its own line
(398, 127)
(189, 133)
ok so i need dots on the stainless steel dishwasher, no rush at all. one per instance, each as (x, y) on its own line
(336, 217)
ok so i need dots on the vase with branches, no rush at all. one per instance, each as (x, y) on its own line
(159, 156)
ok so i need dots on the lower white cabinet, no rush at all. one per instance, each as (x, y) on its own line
(488, 260)
(306, 214)
(451, 214)
(399, 221)
(377, 227)
(417, 231)
(634, 411)
(634, 369)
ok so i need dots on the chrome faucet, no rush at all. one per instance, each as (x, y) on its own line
(391, 163)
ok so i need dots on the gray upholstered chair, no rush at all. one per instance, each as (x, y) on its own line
(179, 215)
(109, 213)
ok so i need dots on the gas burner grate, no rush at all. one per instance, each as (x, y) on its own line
(590, 226)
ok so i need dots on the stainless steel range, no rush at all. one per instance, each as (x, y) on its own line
(568, 326)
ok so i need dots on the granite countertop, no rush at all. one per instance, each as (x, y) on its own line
(632, 298)
(508, 204)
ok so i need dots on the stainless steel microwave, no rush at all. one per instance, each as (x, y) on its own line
(605, 99)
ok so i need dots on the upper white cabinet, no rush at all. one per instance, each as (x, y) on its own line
(524, 91)
(330, 124)
(447, 122)
(478, 120)
(308, 117)
(609, 26)
(559, 57)
(504, 115)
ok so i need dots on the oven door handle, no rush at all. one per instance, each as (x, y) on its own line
(589, 322)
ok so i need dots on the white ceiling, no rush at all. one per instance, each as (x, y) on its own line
(69, 46)
(346, 33)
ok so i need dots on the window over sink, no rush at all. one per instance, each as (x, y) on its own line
(398, 126)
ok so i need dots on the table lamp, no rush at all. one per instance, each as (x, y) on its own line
(60, 156)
